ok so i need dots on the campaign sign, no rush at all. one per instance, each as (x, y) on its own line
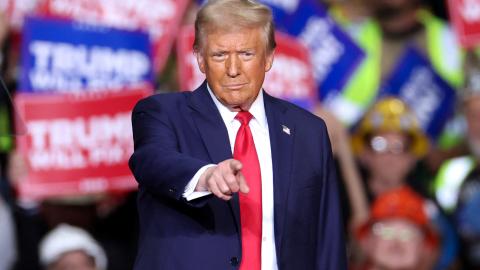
(189, 76)
(334, 55)
(430, 97)
(282, 9)
(290, 78)
(465, 16)
(66, 56)
(160, 18)
(16, 10)
(76, 144)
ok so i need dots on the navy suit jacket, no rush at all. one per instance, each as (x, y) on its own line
(176, 134)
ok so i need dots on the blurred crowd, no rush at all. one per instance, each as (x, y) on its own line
(409, 202)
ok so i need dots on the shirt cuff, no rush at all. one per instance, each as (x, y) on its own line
(190, 193)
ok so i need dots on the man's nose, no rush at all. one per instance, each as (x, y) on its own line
(233, 65)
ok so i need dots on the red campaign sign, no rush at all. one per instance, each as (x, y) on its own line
(189, 76)
(16, 10)
(465, 16)
(290, 78)
(76, 144)
(160, 18)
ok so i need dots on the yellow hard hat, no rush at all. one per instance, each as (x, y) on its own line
(390, 115)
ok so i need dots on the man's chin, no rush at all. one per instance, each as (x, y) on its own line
(235, 105)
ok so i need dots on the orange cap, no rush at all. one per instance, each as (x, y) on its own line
(401, 203)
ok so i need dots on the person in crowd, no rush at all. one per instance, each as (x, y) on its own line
(389, 142)
(71, 248)
(457, 186)
(8, 247)
(398, 234)
(100, 214)
(384, 29)
(8, 239)
(229, 176)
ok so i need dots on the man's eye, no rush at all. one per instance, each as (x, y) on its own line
(247, 54)
(218, 56)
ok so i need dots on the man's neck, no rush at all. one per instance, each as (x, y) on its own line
(378, 185)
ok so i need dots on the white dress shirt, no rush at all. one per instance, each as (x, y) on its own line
(261, 137)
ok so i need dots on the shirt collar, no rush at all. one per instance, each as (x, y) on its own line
(257, 110)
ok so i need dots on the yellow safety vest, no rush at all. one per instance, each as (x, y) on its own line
(5, 132)
(443, 51)
(449, 179)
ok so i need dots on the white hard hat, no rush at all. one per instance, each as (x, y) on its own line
(66, 238)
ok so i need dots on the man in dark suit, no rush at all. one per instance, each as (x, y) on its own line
(230, 177)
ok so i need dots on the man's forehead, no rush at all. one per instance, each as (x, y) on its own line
(233, 31)
(246, 37)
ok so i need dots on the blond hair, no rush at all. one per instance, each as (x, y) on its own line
(231, 15)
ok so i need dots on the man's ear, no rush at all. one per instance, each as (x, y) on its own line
(200, 61)
(269, 60)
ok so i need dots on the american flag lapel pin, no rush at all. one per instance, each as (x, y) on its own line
(285, 129)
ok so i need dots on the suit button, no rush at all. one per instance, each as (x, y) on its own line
(234, 261)
(172, 190)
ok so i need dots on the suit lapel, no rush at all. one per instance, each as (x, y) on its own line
(282, 132)
(210, 125)
(214, 134)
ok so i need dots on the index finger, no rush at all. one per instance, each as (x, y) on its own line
(235, 166)
(242, 182)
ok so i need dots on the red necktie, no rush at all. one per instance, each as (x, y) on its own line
(250, 203)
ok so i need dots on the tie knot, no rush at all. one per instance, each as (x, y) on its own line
(244, 117)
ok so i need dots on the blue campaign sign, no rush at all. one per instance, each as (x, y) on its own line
(334, 55)
(66, 56)
(430, 97)
(282, 10)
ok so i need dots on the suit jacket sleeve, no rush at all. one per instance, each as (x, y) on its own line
(331, 247)
(157, 162)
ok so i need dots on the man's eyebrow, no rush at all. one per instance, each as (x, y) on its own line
(218, 51)
(246, 50)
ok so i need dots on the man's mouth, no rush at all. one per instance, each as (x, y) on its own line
(234, 86)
